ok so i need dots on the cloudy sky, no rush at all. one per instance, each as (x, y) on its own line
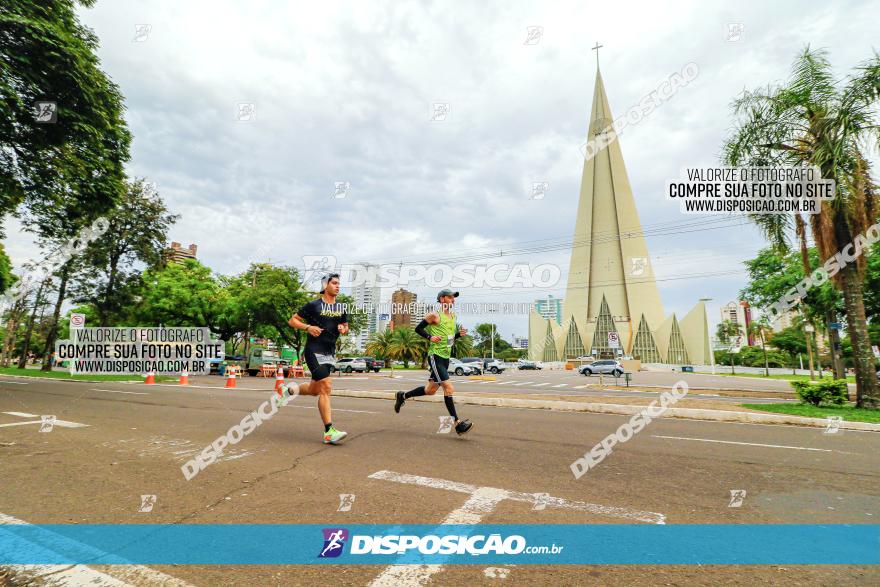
(344, 92)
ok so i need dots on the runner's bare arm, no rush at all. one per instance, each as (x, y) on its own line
(297, 322)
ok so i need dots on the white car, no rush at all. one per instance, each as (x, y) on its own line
(456, 367)
(608, 367)
(349, 365)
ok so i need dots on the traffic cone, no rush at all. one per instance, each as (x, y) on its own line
(279, 378)
(151, 377)
(184, 377)
(230, 379)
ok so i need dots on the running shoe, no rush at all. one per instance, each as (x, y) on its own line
(463, 426)
(334, 436)
(400, 401)
(282, 394)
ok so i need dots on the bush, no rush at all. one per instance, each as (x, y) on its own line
(832, 392)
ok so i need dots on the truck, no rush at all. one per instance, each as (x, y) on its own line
(257, 357)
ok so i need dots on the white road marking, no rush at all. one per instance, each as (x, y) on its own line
(334, 409)
(61, 423)
(115, 391)
(541, 384)
(482, 501)
(14, 382)
(82, 574)
(744, 443)
(525, 382)
(561, 385)
(505, 382)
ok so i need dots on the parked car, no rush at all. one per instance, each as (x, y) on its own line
(608, 367)
(475, 362)
(372, 364)
(456, 367)
(350, 364)
(493, 365)
(258, 357)
(523, 365)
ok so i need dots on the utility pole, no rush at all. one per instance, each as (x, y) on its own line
(808, 330)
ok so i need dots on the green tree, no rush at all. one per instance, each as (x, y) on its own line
(760, 328)
(725, 331)
(137, 229)
(379, 345)
(7, 278)
(811, 121)
(406, 345)
(47, 55)
(188, 294)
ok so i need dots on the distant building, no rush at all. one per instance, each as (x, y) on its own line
(177, 254)
(520, 342)
(550, 308)
(740, 314)
(401, 301)
(366, 297)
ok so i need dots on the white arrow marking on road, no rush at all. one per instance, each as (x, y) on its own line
(743, 443)
(61, 423)
(481, 501)
(81, 574)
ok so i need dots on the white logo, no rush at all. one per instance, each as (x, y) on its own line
(439, 111)
(47, 112)
(346, 500)
(341, 189)
(533, 35)
(638, 265)
(539, 190)
(47, 423)
(316, 267)
(541, 501)
(734, 31)
(247, 112)
(141, 32)
(832, 425)
(736, 498)
(147, 503)
(446, 424)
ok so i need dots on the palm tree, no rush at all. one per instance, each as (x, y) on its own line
(810, 121)
(406, 345)
(761, 328)
(725, 331)
(379, 344)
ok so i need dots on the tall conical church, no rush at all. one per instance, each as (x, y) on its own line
(611, 284)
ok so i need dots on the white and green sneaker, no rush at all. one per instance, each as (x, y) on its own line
(334, 436)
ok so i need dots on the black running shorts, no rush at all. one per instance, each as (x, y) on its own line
(319, 365)
(438, 367)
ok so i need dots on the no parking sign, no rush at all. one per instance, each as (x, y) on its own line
(77, 320)
(613, 340)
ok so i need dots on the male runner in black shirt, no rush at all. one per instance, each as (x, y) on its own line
(324, 319)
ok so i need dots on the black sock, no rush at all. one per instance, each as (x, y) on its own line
(328, 426)
(415, 392)
(447, 399)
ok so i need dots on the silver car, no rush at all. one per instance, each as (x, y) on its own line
(458, 368)
(609, 367)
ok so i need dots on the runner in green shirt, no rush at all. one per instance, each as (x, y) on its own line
(440, 329)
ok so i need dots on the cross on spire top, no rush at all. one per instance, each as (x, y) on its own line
(596, 49)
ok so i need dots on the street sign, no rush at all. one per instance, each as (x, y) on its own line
(77, 320)
(835, 326)
(613, 340)
(809, 328)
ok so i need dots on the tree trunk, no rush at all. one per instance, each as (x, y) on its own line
(53, 330)
(834, 339)
(863, 358)
(766, 364)
(15, 314)
(108, 295)
(22, 360)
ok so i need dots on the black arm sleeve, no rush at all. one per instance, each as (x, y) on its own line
(420, 329)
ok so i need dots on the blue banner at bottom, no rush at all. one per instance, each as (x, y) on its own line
(269, 544)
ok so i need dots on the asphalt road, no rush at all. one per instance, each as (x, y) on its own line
(136, 437)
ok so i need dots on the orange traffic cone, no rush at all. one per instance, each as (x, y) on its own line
(184, 377)
(279, 378)
(230, 379)
(151, 378)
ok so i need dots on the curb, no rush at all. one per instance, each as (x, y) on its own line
(627, 410)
